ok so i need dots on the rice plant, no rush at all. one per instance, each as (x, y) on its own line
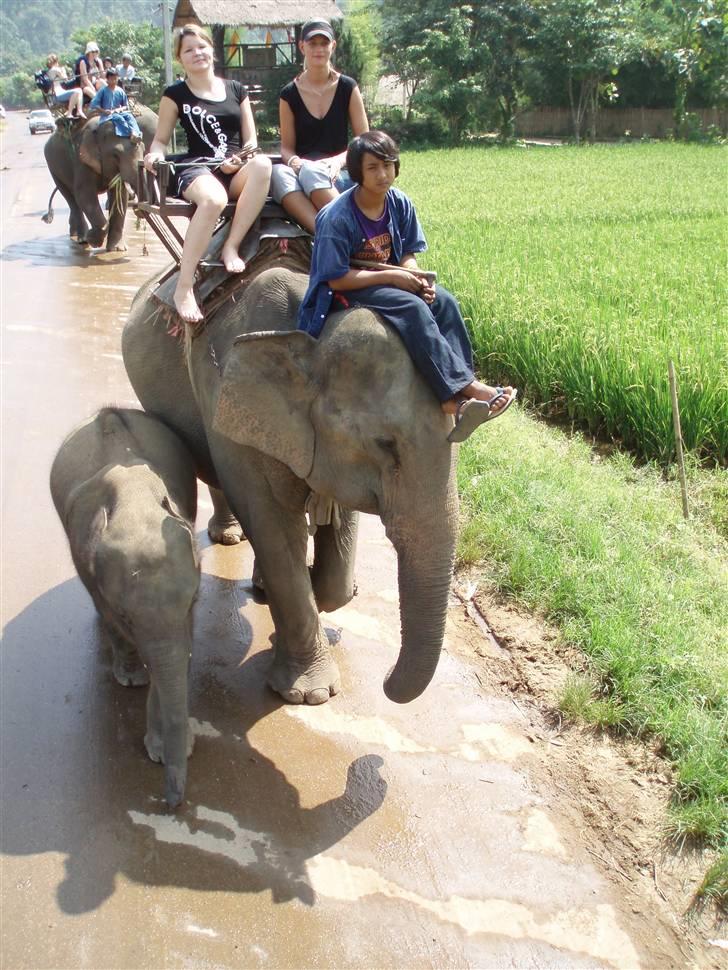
(582, 272)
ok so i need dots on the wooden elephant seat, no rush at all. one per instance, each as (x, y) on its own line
(274, 237)
(158, 208)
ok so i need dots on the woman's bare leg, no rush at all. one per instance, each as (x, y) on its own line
(250, 187)
(301, 209)
(322, 197)
(210, 198)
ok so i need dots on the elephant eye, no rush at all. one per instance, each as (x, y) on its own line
(390, 446)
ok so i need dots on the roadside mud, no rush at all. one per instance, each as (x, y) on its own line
(613, 792)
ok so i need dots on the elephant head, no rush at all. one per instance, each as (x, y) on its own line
(350, 415)
(107, 161)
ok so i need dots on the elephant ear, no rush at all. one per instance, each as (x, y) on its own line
(89, 151)
(266, 397)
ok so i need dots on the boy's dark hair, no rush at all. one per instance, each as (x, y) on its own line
(377, 143)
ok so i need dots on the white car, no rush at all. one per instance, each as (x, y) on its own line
(41, 120)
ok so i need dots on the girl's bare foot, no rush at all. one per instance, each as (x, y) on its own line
(233, 262)
(186, 304)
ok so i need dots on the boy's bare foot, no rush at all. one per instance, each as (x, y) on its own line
(186, 304)
(233, 262)
(480, 392)
(473, 411)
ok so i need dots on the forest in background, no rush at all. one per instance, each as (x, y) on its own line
(464, 68)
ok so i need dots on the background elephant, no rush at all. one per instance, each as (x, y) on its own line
(124, 487)
(285, 424)
(83, 159)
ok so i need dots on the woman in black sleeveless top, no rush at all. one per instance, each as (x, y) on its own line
(316, 111)
(218, 121)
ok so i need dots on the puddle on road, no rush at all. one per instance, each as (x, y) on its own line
(541, 835)
(489, 741)
(580, 931)
(595, 932)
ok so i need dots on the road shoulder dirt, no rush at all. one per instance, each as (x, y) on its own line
(611, 794)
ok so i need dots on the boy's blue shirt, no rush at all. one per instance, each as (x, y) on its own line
(338, 237)
(108, 99)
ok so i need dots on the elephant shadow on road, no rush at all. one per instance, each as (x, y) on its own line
(77, 781)
(55, 250)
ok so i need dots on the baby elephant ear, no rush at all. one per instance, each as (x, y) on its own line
(266, 397)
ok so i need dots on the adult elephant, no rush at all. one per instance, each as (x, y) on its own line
(83, 159)
(288, 426)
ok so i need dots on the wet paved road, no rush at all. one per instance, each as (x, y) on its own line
(358, 834)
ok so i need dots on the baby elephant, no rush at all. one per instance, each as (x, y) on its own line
(125, 489)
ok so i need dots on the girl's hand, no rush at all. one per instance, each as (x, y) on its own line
(151, 159)
(232, 164)
(334, 166)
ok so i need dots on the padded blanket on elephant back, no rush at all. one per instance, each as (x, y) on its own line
(271, 242)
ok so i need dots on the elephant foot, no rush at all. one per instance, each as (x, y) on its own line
(227, 531)
(120, 247)
(299, 682)
(155, 745)
(130, 673)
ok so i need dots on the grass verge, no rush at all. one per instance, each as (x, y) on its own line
(600, 547)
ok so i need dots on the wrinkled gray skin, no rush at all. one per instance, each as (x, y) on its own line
(125, 490)
(281, 415)
(80, 184)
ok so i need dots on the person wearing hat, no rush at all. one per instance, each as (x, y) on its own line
(126, 68)
(89, 69)
(112, 102)
(317, 109)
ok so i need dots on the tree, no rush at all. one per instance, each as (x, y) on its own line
(357, 47)
(15, 52)
(691, 39)
(588, 40)
(462, 60)
(143, 41)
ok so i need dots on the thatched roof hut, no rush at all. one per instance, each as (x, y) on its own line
(253, 13)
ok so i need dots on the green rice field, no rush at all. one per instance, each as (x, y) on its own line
(582, 271)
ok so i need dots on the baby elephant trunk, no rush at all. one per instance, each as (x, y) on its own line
(168, 736)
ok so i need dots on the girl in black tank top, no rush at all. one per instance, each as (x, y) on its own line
(317, 112)
(218, 121)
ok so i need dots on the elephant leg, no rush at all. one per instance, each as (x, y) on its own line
(117, 217)
(129, 670)
(223, 527)
(77, 225)
(303, 669)
(332, 573)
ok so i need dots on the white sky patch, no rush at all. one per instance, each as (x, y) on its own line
(595, 932)
(201, 931)
(243, 846)
(368, 730)
(203, 729)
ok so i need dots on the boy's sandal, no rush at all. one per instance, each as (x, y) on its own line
(471, 414)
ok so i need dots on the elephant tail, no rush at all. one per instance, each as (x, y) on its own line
(47, 217)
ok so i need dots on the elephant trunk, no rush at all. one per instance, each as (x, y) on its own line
(169, 680)
(425, 552)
